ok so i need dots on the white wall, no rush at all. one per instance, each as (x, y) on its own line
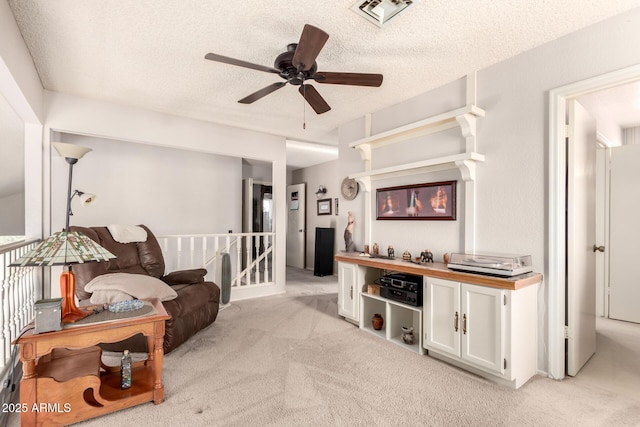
(20, 85)
(12, 215)
(323, 174)
(259, 173)
(172, 191)
(512, 200)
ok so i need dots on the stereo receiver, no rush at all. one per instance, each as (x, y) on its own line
(404, 288)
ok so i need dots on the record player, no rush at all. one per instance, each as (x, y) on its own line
(498, 265)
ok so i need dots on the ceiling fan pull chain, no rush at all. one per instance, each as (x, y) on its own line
(304, 108)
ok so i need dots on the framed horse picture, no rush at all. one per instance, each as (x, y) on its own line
(431, 201)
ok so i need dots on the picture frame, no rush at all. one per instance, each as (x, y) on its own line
(324, 207)
(430, 201)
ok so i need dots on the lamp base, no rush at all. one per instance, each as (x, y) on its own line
(70, 311)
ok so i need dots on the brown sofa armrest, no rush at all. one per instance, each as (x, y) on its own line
(185, 277)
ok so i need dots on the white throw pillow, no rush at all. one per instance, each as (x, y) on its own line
(137, 285)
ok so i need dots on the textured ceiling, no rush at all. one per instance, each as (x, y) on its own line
(150, 53)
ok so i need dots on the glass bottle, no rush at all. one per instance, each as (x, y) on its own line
(125, 370)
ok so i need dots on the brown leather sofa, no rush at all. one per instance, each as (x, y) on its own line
(198, 301)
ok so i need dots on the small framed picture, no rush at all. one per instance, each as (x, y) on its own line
(324, 207)
(336, 203)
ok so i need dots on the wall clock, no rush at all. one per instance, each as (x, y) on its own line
(349, 188)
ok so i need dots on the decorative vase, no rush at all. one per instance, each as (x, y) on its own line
(407, 335)
(377, 321)
(445, 258)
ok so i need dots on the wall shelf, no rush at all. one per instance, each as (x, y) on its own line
(463, 117)
(464, 162)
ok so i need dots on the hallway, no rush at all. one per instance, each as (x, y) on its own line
(616, 364)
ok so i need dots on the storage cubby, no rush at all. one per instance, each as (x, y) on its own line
(370, 305)
(403, 315)
(396, 315)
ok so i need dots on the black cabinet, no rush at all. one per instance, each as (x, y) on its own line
(323, 263)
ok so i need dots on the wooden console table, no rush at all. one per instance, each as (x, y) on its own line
(63, 382)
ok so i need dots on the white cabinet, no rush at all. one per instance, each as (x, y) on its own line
(483, 324)
(442, 320)
(352, 279)
(485, 329)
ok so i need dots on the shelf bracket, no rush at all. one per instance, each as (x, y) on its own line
(467, 124)
(467, 169)
(365, 181)
(365, 154)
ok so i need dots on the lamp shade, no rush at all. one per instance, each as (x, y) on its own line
(70, 151)
(64, 248)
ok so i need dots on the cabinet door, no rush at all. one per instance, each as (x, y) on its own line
(348, 293)
(482, 327)
(442, 320)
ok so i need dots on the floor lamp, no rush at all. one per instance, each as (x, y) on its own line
(67, 247)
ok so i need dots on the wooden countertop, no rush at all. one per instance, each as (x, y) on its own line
(440, 270)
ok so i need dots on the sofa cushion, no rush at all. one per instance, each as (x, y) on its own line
(185, 277)
(137, 285)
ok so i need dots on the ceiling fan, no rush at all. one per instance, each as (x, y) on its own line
(297, 66)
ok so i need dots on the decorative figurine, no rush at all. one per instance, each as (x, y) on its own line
(406, 256)
(426, 256)
(366, 249)
(376, 249)
(348, 233)
(445, 258)
(390, 252)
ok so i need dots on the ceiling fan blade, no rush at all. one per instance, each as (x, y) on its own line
(314, 99)
(239, 63)
(311, 42)
(353, 79)
(261, 93)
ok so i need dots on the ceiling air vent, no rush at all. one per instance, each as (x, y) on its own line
(380, 12)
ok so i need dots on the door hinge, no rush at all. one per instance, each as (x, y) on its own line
(566, 332)
(505, 363)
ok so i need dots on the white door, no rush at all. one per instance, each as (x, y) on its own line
(483, 330)
(581, 188)
(296, 225)
(624, 292)
(443, 319)
(347, 293)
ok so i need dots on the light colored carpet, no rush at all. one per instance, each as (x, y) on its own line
(290, 360)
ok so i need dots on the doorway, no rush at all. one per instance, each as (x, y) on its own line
(257, 216)
(559, 263)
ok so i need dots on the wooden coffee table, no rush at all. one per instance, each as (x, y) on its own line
(64, 381)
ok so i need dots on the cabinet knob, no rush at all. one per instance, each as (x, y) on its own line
(455, 321)
(598, 248)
